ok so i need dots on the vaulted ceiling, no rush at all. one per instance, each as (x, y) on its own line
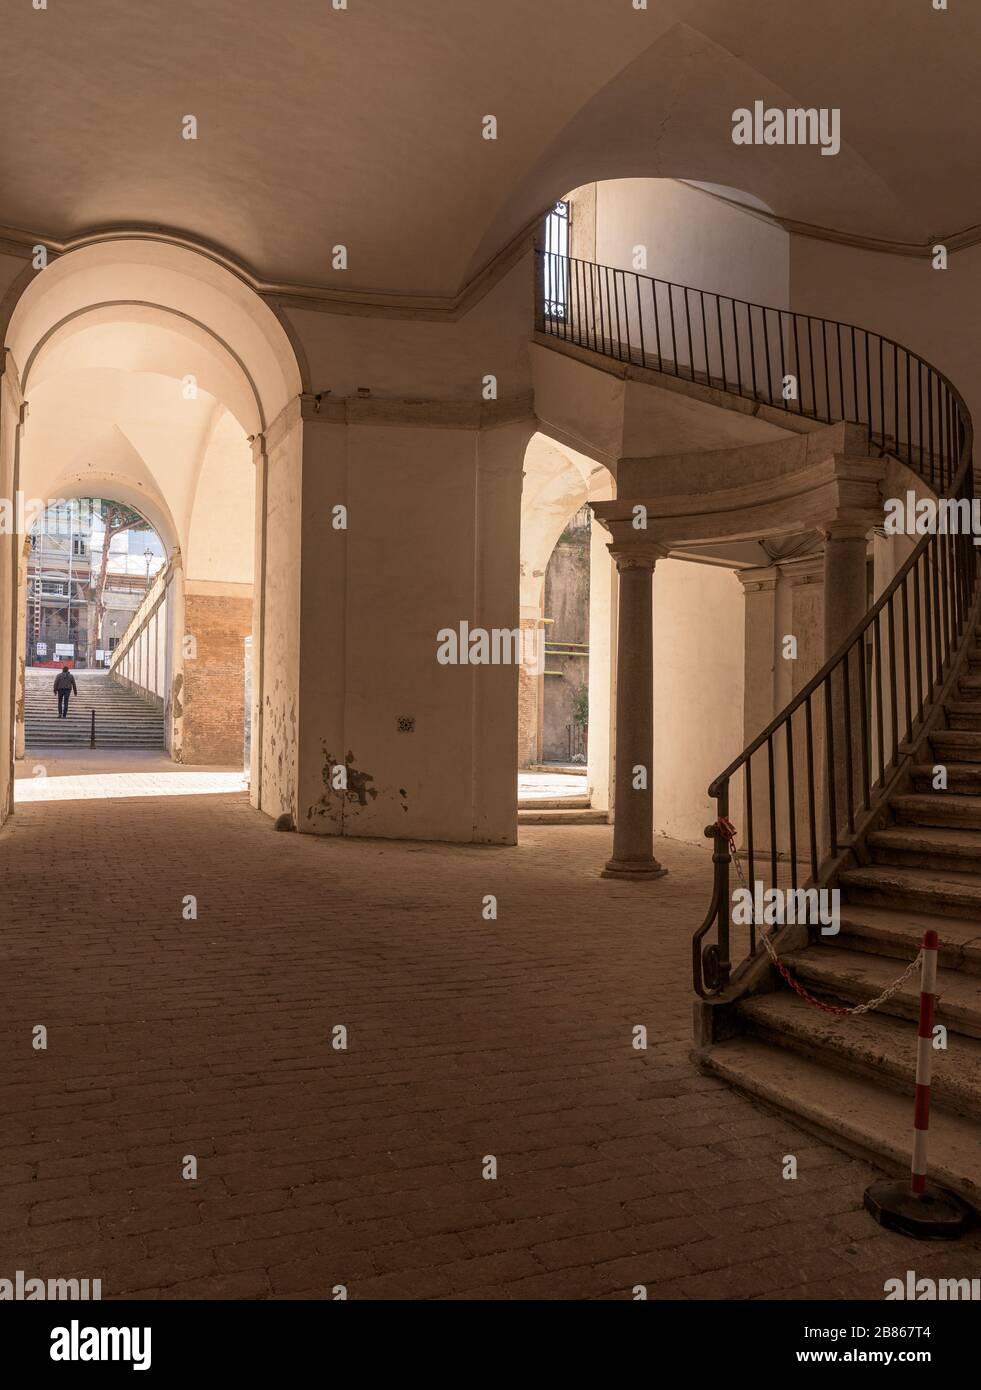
(362, 126)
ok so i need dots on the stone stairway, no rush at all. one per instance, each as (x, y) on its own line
(559, 810)
(122, 719)
(853, 1077)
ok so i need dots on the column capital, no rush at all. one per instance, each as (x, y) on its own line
(635, 557)
(846, 529)
(759, 580)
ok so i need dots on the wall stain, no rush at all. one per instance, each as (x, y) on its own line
(335, 801)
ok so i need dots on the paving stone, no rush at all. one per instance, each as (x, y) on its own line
(465, 1039)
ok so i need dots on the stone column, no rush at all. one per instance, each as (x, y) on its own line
(633, 825)
(845, 549)
(529, 692)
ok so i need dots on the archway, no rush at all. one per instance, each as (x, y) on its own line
(559, 483)
(143, 370)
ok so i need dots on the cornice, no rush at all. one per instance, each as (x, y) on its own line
(430, 414)
(954, 241)
(283, 294)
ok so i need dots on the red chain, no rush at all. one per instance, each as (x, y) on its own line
(728, 830)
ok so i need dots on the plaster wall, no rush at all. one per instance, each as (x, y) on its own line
(698, 690)
(692, 238)
(431, 540)
(277, 692)
(418, 358)
(9, 545)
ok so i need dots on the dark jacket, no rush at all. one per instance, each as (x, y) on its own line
(64, 680)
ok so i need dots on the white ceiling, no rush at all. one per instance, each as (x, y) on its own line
(363, 126)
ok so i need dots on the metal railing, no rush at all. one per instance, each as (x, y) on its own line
(798, 363)
(826, 762)
(815, 776)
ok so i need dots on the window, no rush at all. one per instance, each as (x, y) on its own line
(557, 262)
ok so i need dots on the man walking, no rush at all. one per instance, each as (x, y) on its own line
(65, 688)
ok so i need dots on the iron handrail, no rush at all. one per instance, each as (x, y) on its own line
(874, 693)
(803, 364)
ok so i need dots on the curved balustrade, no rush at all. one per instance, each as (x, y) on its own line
(793, 362)
(805, 788)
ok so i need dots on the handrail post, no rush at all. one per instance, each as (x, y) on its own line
(721, 858)
(92, 734)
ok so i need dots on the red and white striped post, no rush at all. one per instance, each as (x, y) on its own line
(924, 1060)
(919, 1208)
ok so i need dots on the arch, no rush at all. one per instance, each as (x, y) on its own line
(121, 275)
(70, 343)
(153, 510)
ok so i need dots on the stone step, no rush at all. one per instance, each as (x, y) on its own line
(945, 849)
(872, 1045)
(962, 778)
(964, 714)
(970, 687)
(899, 934)
(851, 977)
(553, 803)
(581, 817)
(938, 808)
(914, 890)
(853, 1112)
(960, 744)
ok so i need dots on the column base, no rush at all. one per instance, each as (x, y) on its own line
(639, 870)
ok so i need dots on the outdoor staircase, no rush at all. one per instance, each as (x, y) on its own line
(122, 719)
(559, 810)
(853, 1077)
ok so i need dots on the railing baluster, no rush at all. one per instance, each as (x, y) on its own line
(674, 340)
(918, 623)
(907, 706)
(849, 738)
(773, 812)
(783, 359)
(691, 353)
(829, 749)
(640, 323)
(811, 790)
(791, 800)
(882, 396)
(893, 713)
(880, 715)
(863, 707)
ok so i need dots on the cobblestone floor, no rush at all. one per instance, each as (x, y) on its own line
(467, 1038)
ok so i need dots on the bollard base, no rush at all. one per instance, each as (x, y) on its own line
(936, 1215)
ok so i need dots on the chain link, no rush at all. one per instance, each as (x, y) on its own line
(729, 831)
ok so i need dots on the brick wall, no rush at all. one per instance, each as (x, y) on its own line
(213, 692)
